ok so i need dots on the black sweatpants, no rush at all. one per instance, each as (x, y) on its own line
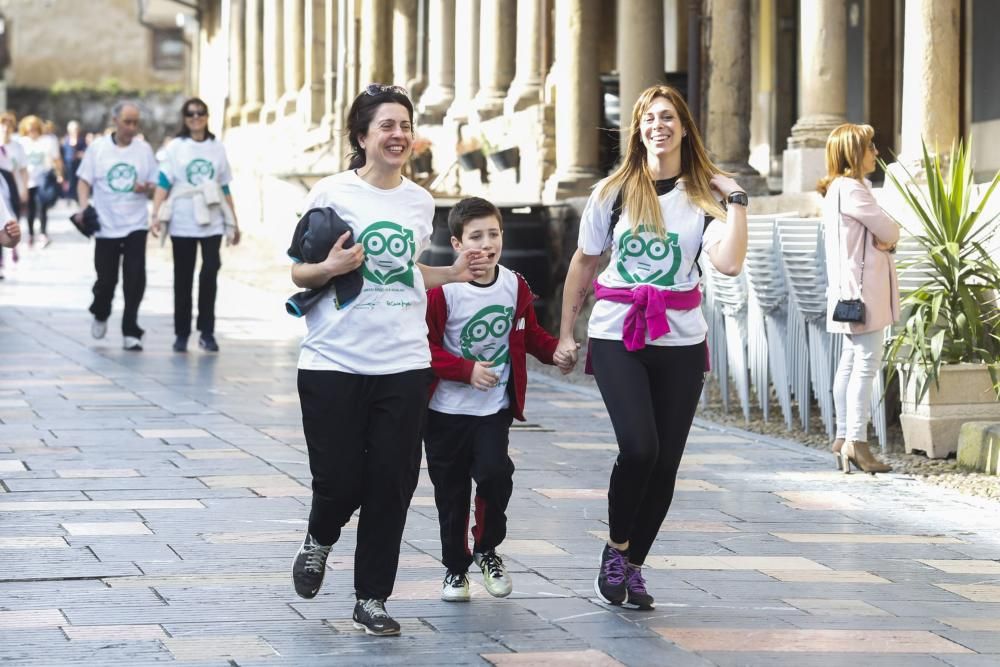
(37, 209)
(185, 253)
(363, 434)
(651, 396)
(129, 252)
(462, 448)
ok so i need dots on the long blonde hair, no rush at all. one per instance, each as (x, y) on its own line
(845, 153)
(634, 179)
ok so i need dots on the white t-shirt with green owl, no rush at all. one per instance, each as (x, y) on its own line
(112, 172)
(478, 328)
(192, 162)
(644, 258)
(384, 329)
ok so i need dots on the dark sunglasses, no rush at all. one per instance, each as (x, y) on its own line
(380, 88)
(195, 113)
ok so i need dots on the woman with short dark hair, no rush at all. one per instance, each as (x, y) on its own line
(364, 370)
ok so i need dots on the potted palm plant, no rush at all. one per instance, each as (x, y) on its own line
(946, 349)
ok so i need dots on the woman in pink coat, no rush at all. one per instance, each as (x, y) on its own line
(860, 238)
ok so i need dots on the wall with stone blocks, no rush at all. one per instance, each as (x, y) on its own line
(84, 41)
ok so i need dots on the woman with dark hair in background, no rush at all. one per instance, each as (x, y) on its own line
(193, 198)
(364, 369)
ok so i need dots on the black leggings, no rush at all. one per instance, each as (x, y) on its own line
(37, 209)
(130, 253)
(651, 395)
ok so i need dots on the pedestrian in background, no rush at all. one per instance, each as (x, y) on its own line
(657, 212)
(194, 201)
(118, 174)
(44, 175)
(364, 370)
(73, 147)
(859, 239)
(13, 175)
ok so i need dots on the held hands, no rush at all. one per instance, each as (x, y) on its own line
(469, 265)
(566, 355)
(483, 378)
(341, 261)
(154, 228)
(724, 185)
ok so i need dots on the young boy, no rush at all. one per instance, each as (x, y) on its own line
(479, 333)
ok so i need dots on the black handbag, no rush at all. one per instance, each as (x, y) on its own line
(850, 310)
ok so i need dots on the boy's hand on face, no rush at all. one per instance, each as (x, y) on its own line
(483, 378)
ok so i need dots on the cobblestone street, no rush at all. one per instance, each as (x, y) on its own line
(151, 503)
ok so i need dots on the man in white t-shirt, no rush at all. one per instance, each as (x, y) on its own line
(118, 175)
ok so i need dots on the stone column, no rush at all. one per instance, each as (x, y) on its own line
(331, 43)
(294, 56)
(254, 63)
(310, 103)
(526, 88)
(274, 59)
(346, 79)
(440, 61)
(578, 95)
(497, 42)
(931, 79)
(727, 122)
(376, 42)
(466, 60)
(822, 91)
(237, 61)
(404, 39)
(640, 51)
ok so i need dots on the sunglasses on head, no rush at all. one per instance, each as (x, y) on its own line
(380, 88)
(195, 113)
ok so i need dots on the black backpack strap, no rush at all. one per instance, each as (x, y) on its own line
(708, 221)
(616, 214)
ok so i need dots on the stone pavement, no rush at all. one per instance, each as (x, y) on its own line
(150, 505)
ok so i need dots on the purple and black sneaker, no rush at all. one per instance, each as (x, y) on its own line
(638, 596)
(610, 583)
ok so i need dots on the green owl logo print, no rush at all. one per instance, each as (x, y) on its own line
(198, 171)
(389, 250)
(122, 177)
(646, 258)
(484, 336)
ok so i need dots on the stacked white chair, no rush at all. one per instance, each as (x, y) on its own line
(729, 334)
(813, 354)
(768, 315)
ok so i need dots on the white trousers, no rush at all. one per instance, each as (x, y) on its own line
(852, 387)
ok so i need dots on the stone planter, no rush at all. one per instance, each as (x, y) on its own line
(932, 426)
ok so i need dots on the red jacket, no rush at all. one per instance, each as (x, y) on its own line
(526, 336)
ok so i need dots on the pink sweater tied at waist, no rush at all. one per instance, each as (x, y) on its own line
(648, 310)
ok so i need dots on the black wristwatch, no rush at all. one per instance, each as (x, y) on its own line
(739, 198)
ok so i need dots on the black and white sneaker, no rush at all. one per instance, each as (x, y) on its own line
(371, 616)
(455, 587)
(495, 577)
(309, 567)
(638, 596)
(610, 582)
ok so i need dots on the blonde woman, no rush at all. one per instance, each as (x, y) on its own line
(859, 239)
(44, 173)
(657, 212)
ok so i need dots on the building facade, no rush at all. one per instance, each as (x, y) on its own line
(553, 79)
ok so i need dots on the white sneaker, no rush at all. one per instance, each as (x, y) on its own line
(495, 577)
(98, 328)
(455, 587)
(132, 344)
